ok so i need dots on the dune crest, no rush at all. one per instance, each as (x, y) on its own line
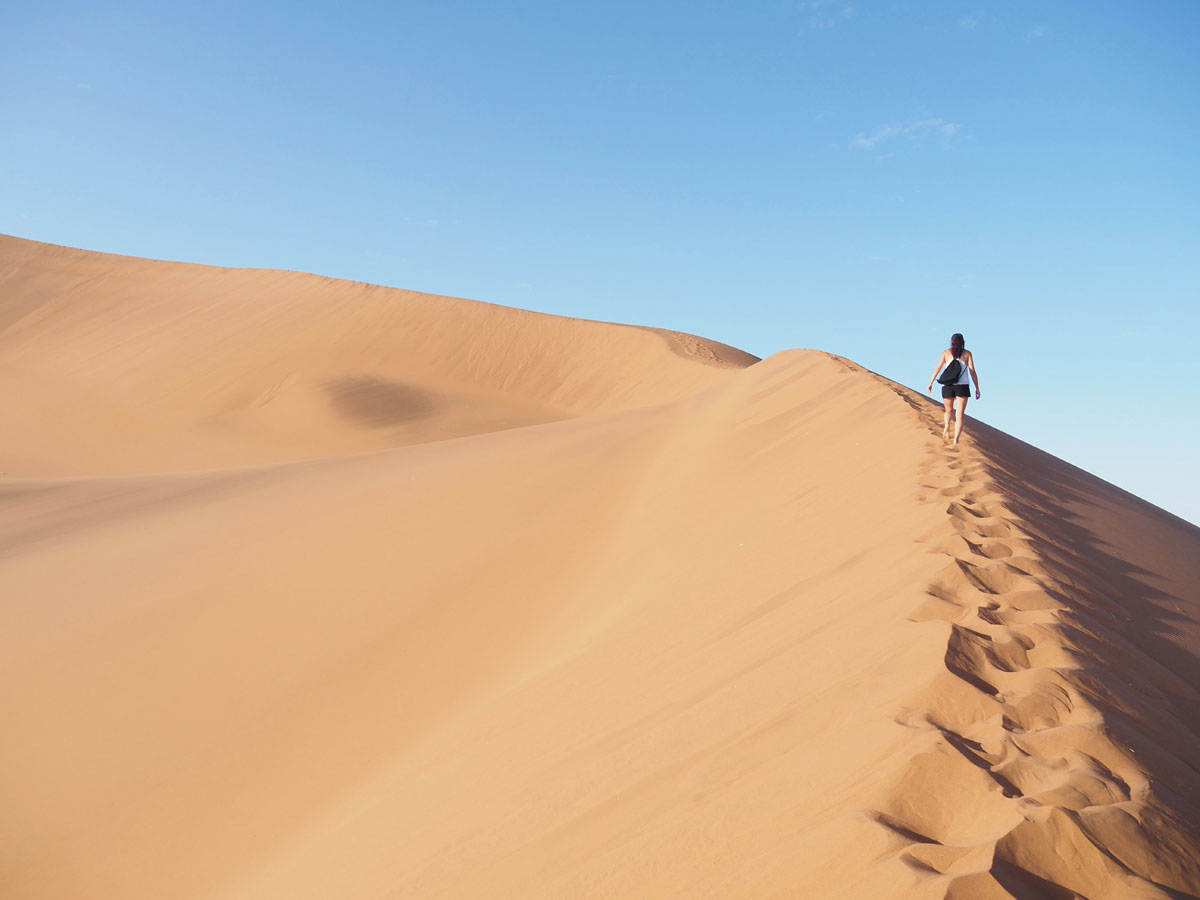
(159, 366)
(1029, 711)
(319, 589)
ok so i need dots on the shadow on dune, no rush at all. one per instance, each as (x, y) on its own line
(1026, 885)
(1130, 572)
(1067, 508)
(379, 402)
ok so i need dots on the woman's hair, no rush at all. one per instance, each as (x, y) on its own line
(956, 344)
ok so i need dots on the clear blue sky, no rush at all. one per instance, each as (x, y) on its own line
(860, 177)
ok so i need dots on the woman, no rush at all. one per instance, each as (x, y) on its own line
(955, 394)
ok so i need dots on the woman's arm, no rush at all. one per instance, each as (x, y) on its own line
(941, 361)
(974, 374)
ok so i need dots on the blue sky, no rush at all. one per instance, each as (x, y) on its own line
(860, 177)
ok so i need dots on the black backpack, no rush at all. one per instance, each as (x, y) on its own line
(951, 372)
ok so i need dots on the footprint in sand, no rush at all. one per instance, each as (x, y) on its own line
(977, 512)
(962, 545)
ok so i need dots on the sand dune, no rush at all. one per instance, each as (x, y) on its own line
(114, 365)
(319, 589)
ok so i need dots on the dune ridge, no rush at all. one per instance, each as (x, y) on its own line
(321, 589)
(1067, 743)
(196, 366)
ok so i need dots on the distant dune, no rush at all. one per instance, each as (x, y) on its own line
(319, 589)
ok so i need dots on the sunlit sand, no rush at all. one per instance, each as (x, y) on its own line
(317, 589)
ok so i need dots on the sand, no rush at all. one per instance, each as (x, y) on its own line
(319, 589)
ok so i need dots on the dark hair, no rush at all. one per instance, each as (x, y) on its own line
(956, 344)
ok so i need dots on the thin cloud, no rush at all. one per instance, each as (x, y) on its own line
(823, 14)
(970, 21)
(1036, 33)
(913, 130)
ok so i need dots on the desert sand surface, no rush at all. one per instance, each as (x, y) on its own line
(319, 589)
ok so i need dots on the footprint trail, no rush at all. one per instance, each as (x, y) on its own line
(1018, 782)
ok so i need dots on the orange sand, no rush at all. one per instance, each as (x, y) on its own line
(317, 589)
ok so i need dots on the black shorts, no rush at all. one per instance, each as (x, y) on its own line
(955, 390)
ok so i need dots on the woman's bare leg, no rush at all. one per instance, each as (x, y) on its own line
(960, 415)
(948, 403)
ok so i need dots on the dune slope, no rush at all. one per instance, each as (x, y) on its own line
(114, 365)
(317, 589)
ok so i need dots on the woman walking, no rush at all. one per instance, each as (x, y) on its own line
(956, 392)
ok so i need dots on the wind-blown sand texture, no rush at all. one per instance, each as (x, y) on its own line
(317, 589)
